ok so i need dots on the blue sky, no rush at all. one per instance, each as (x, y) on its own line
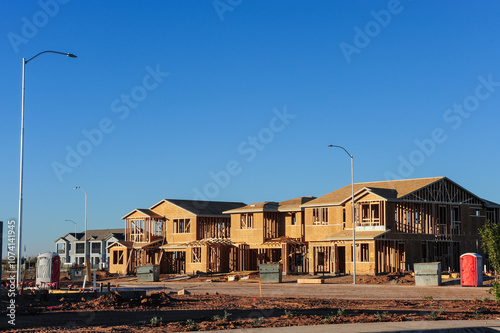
(238, 100)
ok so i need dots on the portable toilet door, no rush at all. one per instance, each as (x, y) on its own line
(56, 269)
(44, 268)
(471, 274)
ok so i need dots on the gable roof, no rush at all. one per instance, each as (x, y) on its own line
(203, 208)
(102, 234)
(145, 212)
(124, 244)
(382, 193)
(292, 205)
(95, 234)
(392, 189)
(74, 236)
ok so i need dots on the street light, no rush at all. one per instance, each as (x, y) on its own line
(22, 163)
(353, 219)
(85, 241)
(74, 224)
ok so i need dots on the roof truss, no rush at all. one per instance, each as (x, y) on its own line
(444, 191)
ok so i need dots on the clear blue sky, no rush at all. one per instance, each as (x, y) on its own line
(257, 88)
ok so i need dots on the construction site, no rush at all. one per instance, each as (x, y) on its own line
(188, 303)
(410, 252)
(371, 228)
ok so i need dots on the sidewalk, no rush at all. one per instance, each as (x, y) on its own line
(408, 326)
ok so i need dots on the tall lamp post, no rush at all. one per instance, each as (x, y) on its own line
(19, 243)
(85, 242)
(353, 218)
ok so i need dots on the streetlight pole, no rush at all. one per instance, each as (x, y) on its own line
(21, 164)
(74, 224)
(85, 241)
(353, 217)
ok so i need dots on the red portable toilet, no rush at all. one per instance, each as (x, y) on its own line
(471, 273)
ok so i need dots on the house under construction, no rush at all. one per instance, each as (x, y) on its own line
(181, 236)
(397, 223)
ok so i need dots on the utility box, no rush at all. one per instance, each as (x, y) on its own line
(427, 274)
(148, 273)
(270, 273)
(471, 274)
(76, 273)
(48, 268)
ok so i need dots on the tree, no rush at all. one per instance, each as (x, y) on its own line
(490, 242)
(490, 239)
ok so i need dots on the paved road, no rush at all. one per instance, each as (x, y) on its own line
(341, 291)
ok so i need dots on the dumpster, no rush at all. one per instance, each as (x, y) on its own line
(148, 273)
(48, 268)
(427, 274)
(270, 273)
(471, 273)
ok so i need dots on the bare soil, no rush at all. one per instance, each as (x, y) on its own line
(169, 312)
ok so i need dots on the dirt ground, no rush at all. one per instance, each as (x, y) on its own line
(205, 308)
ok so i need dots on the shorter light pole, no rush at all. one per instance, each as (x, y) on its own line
(353, 218)
(74, 224)
(87, 263)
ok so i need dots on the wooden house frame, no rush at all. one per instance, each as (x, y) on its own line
(269, 232)
(181, 236)
(398, 223)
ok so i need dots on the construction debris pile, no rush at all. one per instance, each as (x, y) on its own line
(114, 301)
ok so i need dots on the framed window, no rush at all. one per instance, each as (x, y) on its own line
(365, 253)
(96, 247)
(246, 221)
(196, 255)
(365, 212)
(118, 257)
(375, 213)
(475, 211)
(321, 258)
(79, 248)
(182, 226)
(320, 216)
(294, 221)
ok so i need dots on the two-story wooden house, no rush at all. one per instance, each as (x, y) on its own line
(269, 232)
(181, 236)
(397, 223)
